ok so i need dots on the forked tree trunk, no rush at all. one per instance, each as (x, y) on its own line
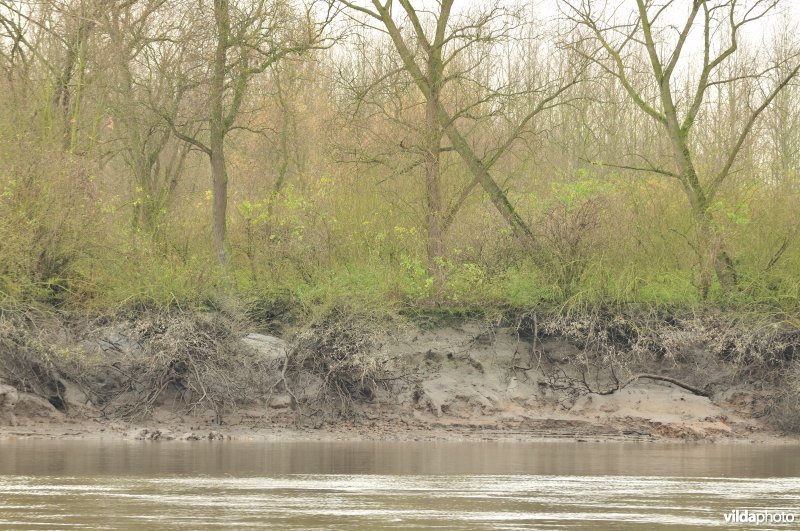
(717, 262)
(715, 259)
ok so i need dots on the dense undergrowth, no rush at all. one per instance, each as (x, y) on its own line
(622, 286)
(62, 247)
(63, 267)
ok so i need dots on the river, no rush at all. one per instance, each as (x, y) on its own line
(367, 485)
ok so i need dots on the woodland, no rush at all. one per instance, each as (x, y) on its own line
(292, 156)
(618, 176)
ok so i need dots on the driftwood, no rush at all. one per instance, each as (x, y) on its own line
(690, 388)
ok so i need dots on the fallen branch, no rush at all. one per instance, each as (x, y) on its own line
(690, 388)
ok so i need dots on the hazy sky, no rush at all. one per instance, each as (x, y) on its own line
(788, 11)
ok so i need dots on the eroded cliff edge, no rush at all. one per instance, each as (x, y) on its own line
(199, 375)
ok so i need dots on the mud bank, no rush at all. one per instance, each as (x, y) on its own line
(200, 377)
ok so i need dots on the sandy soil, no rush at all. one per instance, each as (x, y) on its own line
(462, 386)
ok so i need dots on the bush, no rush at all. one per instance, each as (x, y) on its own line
(35, 358)
(195, 359)
(341, 353)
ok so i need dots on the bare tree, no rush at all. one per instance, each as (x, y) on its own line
(781, 128)
(654, 36)
(57, 35)
(143, 66)
(247, 39)
(434, 46)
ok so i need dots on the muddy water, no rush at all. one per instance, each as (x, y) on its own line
(51, 484)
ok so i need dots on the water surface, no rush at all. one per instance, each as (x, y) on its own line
(336, 485)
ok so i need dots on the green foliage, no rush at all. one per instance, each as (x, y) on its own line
(282, 265)
(333, 240)
(582, 188)
(525, 288)
(144, 276)
(40, 239)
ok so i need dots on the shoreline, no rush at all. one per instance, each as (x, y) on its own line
(200, 376)
(561, 430)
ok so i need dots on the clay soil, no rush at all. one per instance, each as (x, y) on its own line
(449, 383)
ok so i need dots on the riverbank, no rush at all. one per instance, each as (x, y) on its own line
(209, 376)
(554, 432)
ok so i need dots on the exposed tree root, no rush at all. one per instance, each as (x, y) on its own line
(339, 360)
(683, 385)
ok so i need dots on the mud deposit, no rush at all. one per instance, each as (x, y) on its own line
(196, 379)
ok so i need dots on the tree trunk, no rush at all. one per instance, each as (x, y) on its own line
(433, 191)
(285, 156)
(219, 178)
(520, 229)
(479, 171)
(718, 262)
(219, 173)
(68, 102)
